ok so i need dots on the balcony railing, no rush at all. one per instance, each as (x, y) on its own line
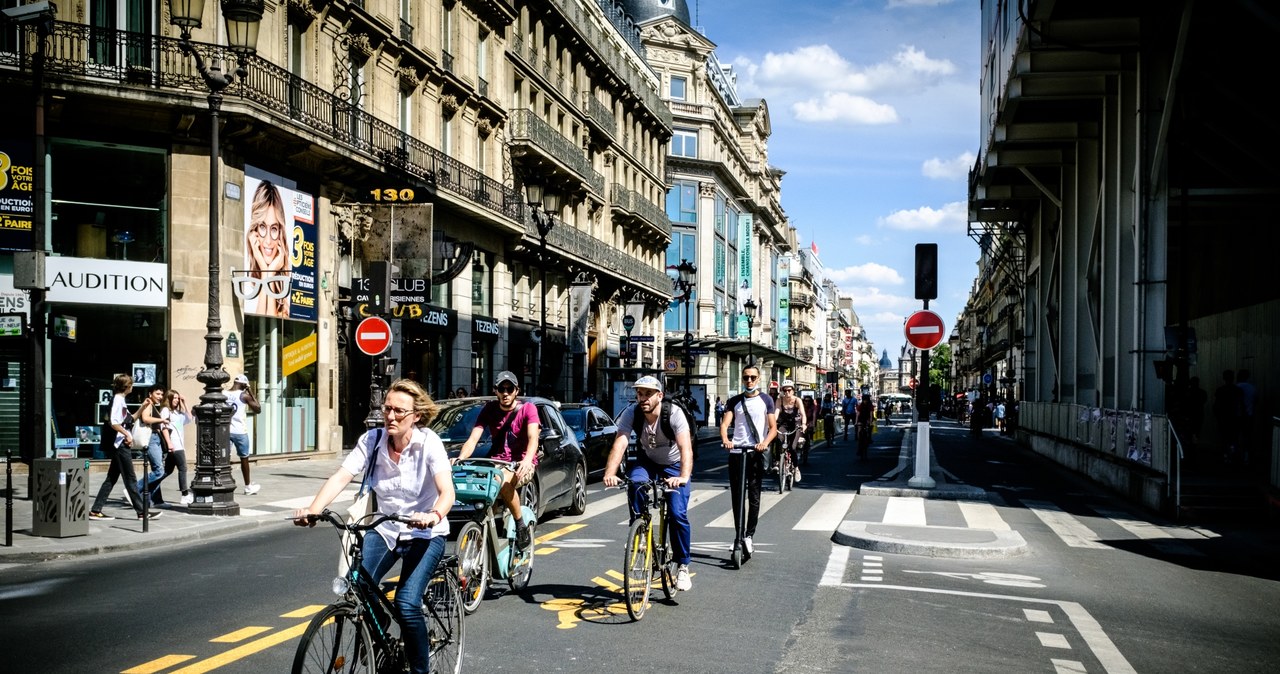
(601, 114)
(634, 202)
(528, 127)
(406, 31)
(111, 57)
(596, 254)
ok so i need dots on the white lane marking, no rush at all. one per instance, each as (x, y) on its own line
(1158, 538)
(1053, 640)
(1094, 637)
(1037, 616)
(836, 561)
(826, 514)
(1072, 532)
(904, 510)
(696, 497)
(767, 501)
(1068, 666)
(982, 515)
(595, 507)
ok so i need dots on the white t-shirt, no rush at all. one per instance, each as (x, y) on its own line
(659, 448)
(749, 409)
(177, 422)
(118, 411)
(236, 400)
(405, 487)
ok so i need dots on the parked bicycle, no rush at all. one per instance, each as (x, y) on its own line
(786, 459)
(483, 552)
(358, 635)
(648, 550)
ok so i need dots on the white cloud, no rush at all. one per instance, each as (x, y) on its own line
(950, 218)
(870, 273)
(842, 107)
(949, 169)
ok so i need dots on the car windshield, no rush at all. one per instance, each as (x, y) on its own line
(454, 423)
(573, 417)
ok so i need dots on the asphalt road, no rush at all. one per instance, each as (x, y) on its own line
(802, 604)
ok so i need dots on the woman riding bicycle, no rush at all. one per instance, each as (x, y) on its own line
(659, 455)
(411, 476)
(791, 423)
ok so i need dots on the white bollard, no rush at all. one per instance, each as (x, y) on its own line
(922, 480)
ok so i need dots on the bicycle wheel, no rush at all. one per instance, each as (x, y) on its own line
(336, 640)
(638, 565)
(521, 567)
(784, 470)
(473, 565)
(445, 614)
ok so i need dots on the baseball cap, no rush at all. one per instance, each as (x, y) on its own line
(648, 382)
(506, 377)
(242, 378)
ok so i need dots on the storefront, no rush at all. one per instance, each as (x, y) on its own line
(427, 348)
(485, 332)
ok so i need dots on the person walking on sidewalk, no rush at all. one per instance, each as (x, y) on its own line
(177, 415)
(751, 416)
(660, 454)
(514, 429)
(241, 399)
(122, 457)
(157, 447)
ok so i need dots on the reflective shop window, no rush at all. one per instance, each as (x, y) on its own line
(108, 202)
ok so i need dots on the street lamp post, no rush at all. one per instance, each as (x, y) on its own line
(543, 219)
(214, 485)
(685, 273)
(750, 306)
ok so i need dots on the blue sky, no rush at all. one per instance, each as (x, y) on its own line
(875, 106)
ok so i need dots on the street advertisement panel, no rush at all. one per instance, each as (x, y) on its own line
(784, 303)
(745, 225)
(17, 185)
(278, 278)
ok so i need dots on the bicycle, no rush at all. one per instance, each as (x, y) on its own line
(643, 556)
(357, 634)
(786, 459)
(481, 551)
(863, 433)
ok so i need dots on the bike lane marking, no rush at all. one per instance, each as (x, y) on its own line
(552, 535)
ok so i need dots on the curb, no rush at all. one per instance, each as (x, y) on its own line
(232, 526)
(925, 541)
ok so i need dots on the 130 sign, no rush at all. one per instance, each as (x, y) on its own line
(393, 195)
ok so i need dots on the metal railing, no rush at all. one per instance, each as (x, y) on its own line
(634, 202)
(1138, 437)
(595, 253)
(527, 126)
(601, 114)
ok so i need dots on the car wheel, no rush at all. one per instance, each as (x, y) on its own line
(531, 496)
(579, 504)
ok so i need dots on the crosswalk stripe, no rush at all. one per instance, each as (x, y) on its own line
(596, 506)
(1158, 538)
(1069, 529)
(696, 498)
(981, 515)
(826, 514)
(767, 501)
(836, 561)
(908, 510)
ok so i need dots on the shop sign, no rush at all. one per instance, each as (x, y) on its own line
(16, 202)
(11, 325)
(12, 300)
(83, 280)
(298, 355)
(485, 327)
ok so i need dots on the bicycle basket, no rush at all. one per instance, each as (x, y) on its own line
(477, 484)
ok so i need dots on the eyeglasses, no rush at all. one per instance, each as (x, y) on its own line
(750, 377)
(263, 229)
(397, 412)
(505, 390)
(276, 286)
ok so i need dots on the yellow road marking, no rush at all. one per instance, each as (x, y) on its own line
(550, 535)
(240, 635)
(606, 584)
(304, 612)
(158, 664)
(243, 651)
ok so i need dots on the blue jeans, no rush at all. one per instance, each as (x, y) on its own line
(420, 555)
(155, 457)
(643, 470)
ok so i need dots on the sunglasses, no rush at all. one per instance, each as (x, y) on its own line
(750, 377)
(505, 389)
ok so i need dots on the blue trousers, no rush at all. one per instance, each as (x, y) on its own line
(420, 557)
(643, 470)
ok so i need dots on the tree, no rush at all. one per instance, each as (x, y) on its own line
(940, 366)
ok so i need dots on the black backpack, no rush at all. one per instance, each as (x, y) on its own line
(664, 418)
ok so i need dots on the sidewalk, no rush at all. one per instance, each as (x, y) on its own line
(863, 529)
(287, 484)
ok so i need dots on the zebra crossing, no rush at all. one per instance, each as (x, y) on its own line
(711, 508)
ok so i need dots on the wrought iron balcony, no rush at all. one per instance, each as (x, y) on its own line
(600, 114)
(801, 300)
(106, 58)
(633, 203)
(595, 254)
(528, 129)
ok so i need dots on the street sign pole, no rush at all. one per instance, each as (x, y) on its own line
(926, 289)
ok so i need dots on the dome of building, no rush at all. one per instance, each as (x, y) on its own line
(644, 10)
(885, 363)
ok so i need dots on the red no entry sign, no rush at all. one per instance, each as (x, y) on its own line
(924, 329)
(373, 336)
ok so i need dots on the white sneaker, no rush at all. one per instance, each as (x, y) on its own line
(251, 489)
(797, 476)
(750, 547)
(188, 498)
(683, 583)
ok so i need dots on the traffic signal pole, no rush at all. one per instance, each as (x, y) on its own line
(926, 289)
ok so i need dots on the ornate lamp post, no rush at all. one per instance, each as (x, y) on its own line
(542, 217)
(751, 307)
(214, 485)
(685, 273)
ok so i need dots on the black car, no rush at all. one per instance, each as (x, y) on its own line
(595, 431)
(560, 481)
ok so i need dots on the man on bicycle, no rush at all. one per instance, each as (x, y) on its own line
(849, 410)
(751, 416)
(671, 457)
(514, 428)
(866, 418)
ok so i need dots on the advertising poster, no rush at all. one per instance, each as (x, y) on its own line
(278, 278)
(745, 224)
(17, 190)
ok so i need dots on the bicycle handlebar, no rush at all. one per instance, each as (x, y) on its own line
(480, 460)
(336, 519)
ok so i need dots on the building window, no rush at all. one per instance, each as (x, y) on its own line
(684, 143)
(682, 202)
(678, 88)
(481, 284)
(683, 246)
(406, 111)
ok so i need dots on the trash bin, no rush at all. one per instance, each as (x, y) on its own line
(60, 505)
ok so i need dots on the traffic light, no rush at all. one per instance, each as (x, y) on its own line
(688, 351)
(926, 271)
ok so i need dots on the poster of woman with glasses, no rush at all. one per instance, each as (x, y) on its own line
(278, 279)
